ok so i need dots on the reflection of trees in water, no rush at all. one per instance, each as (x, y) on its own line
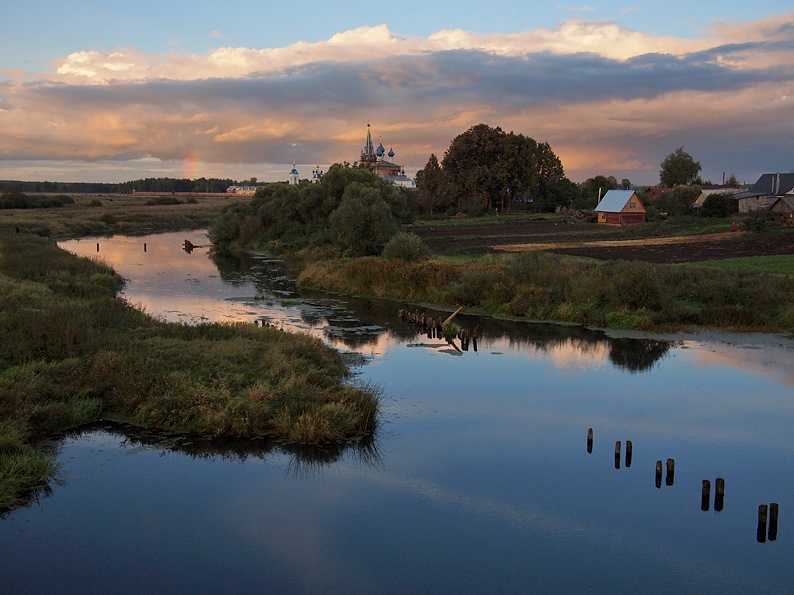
(636, 355)
(358, 323)
(304, 460)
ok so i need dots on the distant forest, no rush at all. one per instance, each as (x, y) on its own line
(143, 185)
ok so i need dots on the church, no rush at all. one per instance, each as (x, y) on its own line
(388, 171)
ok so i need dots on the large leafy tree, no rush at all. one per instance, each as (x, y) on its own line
(678, 168)
(475, 166)
(493, 167)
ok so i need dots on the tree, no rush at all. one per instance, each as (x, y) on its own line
(492, 167)
(363, 223)
(429, 184)
(474, 166)
(678, 168)
(594, 187)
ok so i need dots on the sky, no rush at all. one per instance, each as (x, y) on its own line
(109, 92)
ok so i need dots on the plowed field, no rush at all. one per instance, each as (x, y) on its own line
(605, 243)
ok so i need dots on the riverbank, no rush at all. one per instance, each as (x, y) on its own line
(73, 352)
(615, 294)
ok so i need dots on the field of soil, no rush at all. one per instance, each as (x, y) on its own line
(647, 243)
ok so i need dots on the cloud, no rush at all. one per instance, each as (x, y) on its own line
(608, 100)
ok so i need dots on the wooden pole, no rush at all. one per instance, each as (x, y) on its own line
(97, 246)
(705, 495)
(590, 441)
(670, 477)
(628, 453)
(451, 316)
(658, 474)
(773, 511)
(761, 531)
(617, 454)
(719, 494)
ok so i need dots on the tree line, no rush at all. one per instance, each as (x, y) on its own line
(486, 168)
(165, 185)
(350, 209)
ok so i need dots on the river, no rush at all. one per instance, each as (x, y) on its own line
(480, 478)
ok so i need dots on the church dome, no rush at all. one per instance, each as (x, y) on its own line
(391, 152)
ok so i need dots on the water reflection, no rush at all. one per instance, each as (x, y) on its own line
(478, 482)
(197, 285)
(303, 460)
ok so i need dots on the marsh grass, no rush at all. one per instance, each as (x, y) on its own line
(72, 352)
(544, 286)
(112, 214)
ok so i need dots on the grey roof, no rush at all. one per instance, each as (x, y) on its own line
(769, 185)
(614, 201)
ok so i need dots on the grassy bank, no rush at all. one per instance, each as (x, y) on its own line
(73, 352)
(106, 215)
(544, 286)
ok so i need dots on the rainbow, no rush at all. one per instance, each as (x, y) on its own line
(191, 165)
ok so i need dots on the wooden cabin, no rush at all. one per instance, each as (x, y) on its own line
(620, 207)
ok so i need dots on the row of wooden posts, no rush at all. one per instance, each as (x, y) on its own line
(433, 327)
(764, 511)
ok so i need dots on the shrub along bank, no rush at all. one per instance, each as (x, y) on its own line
(73, 352)
(544, 286)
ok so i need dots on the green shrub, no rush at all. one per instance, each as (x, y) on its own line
(406, 246)
(719, 205)
(363, 223)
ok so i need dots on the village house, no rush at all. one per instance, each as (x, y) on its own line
(620, 207)
(706, 191)
(784, 206)
(765, 192)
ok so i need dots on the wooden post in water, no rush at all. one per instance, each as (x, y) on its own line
(590, 441)
(719, 494)
(144, 246)
(97, 246)
(628, 453)
(705, 495)
(773, 510)
(617, 454)
(658, 474)
(761, 531)
(451, 316)
(670, 477)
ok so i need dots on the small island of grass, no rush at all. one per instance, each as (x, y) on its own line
(73, 352)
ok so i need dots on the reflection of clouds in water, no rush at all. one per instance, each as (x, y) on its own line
(770, 358)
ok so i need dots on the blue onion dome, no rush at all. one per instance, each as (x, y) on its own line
(380, 151)
(391, 152)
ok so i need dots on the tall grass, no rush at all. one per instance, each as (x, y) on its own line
(539, 285)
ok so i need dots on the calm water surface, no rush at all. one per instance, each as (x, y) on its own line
(479, 479)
